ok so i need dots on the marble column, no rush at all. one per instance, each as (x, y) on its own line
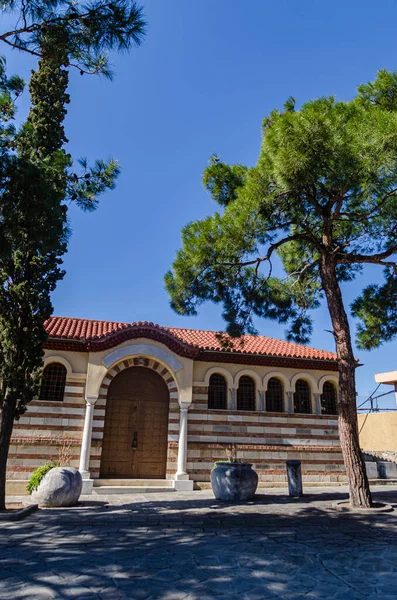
(181, 481)
(261, 401)
(290, 402)
(317, 404)
(87, 435)
(233, 399)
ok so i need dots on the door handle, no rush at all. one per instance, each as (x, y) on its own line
(135, 440)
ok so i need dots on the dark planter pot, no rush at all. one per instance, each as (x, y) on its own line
(233, 482)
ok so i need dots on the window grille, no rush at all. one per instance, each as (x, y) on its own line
(53, 382)
(246, 393)
(329, 404)
(302, 397)
(217, 392)
(275, 395)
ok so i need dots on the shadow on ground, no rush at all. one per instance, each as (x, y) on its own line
(171, 547)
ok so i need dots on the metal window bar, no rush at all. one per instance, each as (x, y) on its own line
(217, 392)
(275, 396)
(246, 394)
(53, 382)
(329, 405)
(302, 397)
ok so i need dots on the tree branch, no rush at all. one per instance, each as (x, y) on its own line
(272, 248)
(300, 272)
(378, 259)
(359, 216)
(16, 47)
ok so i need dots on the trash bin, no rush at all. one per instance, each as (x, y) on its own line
(294, 475)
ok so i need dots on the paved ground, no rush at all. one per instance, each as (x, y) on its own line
(187, 546)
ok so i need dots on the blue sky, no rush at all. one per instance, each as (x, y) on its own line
(206, 75)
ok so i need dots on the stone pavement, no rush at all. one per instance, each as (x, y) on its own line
(187, 546)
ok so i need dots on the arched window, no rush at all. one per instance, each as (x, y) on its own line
(246, 393)
(53, 382)
(329, 405)
(275, 395)
(302, 397)
(217, 392)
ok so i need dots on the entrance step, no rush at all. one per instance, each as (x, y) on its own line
(382, 481)
(128, 489)
(163, 483)
(131, 486)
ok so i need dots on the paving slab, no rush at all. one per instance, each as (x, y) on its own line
(188, 546)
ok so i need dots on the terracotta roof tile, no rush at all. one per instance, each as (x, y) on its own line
(85, 330)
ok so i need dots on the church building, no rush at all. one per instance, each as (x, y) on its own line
(138, 402)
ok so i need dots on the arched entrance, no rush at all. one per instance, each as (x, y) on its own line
(136, 425)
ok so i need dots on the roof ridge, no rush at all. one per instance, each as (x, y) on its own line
(251, 335)
(169, 327)
(92, 331)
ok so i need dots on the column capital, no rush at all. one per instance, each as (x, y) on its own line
(185, 405)
(91, 400)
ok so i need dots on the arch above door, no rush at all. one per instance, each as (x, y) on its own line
(142, 349)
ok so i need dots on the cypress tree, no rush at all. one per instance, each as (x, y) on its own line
(38, 180)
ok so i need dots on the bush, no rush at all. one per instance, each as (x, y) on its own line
(38, 475)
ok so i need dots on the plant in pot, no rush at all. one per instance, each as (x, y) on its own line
(232, 480)
(55, 484)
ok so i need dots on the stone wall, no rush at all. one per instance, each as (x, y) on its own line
(40, 432)
(265, 439)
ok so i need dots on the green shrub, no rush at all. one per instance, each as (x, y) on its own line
(38, 475)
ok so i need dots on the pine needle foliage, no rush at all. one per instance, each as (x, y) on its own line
(323, 198)
(91, 29)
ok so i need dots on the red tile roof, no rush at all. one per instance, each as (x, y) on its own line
(96, 335)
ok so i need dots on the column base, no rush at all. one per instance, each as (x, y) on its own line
(88, 484)
(182, 485)
(181, 476)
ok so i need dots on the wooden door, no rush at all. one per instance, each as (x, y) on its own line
(136, 426)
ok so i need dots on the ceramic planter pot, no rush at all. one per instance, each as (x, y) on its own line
(233, 482)
(59, 487)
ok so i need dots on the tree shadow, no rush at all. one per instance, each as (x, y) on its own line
(191, 546)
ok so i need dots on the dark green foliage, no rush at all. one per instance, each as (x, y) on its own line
(223, 181)
(38, 474)
(89, 29)
(377, 310)
(37, 178)
(33, 234)
(325, 185)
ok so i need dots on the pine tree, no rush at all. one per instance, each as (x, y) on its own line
(323, 197)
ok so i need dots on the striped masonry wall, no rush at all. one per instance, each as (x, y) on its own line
(40, 433)
(265, 439)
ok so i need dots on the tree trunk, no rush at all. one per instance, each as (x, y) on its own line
(360, 495)
(6, 424)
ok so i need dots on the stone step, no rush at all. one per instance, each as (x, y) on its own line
(163, 483)
(108, 490)
(382, 481)
(16, 487)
